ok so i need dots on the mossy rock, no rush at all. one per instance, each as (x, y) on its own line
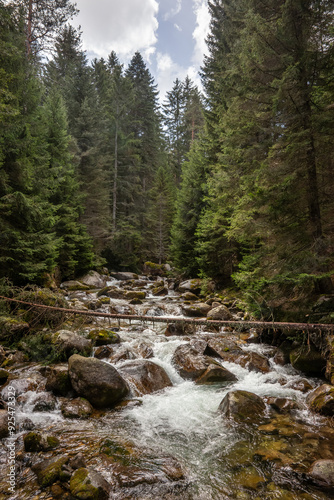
(321, 400)
(88, 485)
(133, 294)
(12, 329)
(35, 441)
(72, 285)
(48, 471)
(104, 337)
(153, 269)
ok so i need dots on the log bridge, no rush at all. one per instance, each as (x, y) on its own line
(271, 325)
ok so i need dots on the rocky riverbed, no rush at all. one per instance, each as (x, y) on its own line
(164, 410)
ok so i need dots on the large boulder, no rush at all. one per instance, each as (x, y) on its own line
(220, 313)
(198, 309)
(69, 343)
(97, 381)
(191, 363)
(36, 441)
(308, 360)
(243, 407)
(49, 471)
(145, 376)
(224, 348)
(93, 279)
(73, 285)
(321, 400)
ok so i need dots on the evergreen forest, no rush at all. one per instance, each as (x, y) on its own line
(233, 184)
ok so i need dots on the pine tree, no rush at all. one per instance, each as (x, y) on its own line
(43, 21)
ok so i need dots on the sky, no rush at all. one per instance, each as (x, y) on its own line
(169, 34)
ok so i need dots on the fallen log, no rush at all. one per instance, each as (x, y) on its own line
(271, 325)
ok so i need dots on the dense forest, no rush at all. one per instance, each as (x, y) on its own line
(234, 186)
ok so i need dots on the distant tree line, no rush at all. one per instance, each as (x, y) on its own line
(236, 186)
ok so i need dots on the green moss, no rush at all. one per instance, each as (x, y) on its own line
(81, 487)
(49, 472)
(52, 441)
(121, 453)
(103, 336)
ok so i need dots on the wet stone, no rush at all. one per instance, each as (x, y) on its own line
(243, 406)
(103, 352)
(96, 381)
(36, 441)
(104, 337)
(89, 485)
(77, 408)
(215, 374)
(44, 401)
(323, 472)
(146, 376)
(58, 380)
(321, 400)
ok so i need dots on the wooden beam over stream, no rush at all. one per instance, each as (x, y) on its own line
(271, 325)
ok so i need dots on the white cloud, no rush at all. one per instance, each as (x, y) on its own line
(201, 31)
(123, 26)
(168, 71)
(174, 11)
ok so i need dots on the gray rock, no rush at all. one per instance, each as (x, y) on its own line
(323, 472)
(198, 309)
(124, 276)
(220, 313)
(44, 401)
(70, 343)
(94, 280)
(97, 381)
(193, 285)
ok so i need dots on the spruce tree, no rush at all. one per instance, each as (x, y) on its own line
(28, 247)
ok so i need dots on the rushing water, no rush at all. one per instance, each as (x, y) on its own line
(220, 460)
